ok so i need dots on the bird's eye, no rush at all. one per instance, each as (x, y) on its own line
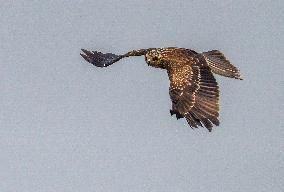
(155, 59)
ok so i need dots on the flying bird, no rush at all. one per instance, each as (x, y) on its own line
(193, 89)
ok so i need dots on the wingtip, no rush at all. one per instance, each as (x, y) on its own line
(84, 50)
(100, 59)
(85, 57)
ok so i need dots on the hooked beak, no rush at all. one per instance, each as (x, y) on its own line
(147, 59)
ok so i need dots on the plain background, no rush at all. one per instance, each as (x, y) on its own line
(68, 126)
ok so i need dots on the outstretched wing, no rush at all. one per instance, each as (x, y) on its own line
(220, 65)
(206, 105)
(184, 84)
(194, 92)
(100, 59)
(105, 59)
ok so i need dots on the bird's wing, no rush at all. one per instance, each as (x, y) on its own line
(220, 65)
(106, 59)
(194, 92)
(100, 59)
(184, 83)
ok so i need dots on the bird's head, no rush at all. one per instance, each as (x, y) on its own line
(154, 58)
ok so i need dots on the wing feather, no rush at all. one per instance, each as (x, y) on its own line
(206, 106)
(183, 86)
(194, 91)
(220, 65)
(100, 59)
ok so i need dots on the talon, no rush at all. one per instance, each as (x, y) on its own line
(178, 116)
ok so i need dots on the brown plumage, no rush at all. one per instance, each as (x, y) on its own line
(193, 89)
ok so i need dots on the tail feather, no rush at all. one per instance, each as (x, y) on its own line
(220, 65)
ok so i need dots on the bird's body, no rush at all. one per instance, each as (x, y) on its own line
(193, 89)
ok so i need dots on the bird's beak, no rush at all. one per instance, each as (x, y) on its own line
(147, 60)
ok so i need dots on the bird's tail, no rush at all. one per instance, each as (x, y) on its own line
(220, 65)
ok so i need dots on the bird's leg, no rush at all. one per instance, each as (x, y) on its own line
(178, 115)
(100, 59)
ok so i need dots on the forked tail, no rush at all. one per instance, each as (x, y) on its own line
(220, 65)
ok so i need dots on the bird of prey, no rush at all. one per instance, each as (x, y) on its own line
(193, 90)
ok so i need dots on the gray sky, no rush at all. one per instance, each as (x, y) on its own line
(68, 126)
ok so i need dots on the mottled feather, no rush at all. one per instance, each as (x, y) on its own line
(193, 90)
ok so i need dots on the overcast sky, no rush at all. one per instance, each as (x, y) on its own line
(68, 126)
